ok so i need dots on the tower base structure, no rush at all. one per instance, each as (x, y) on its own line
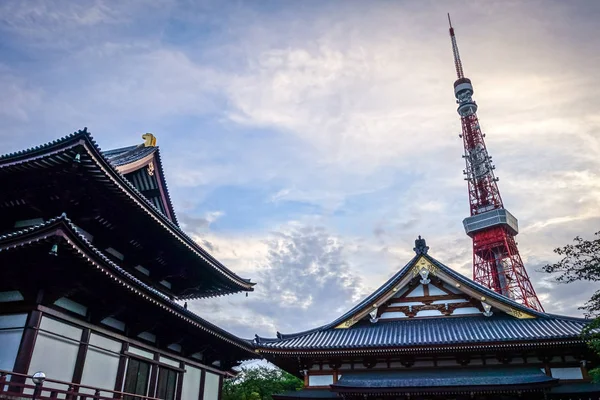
(497, 265)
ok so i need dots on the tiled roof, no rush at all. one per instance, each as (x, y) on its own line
(53, 153)
(417, 332)
(465, 281)
(131, 154)
(19, 238)
(307, 394)
(127, 155)
(440, 377)
(433, 331)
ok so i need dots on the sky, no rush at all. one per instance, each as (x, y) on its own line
(307, 144)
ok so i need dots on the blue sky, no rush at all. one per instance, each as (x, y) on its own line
(308, 143)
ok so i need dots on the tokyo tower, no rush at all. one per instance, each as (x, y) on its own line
(496, 260)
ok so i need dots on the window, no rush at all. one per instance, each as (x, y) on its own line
(167, 383)
(136, 378)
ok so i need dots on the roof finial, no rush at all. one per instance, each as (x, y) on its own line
(420, 246)
(150, 140)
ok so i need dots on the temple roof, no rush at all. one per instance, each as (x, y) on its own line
(137, 164)
(496, 319)
(129, 154)
(443, 379)
(80, 149)
(62, 228)
(432, 332)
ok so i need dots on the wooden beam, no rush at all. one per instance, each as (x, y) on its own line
(202, 384)
(121, 369)
(27, 344)
(423, 299)
(80, 360)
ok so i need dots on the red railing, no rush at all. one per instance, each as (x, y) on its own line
(21, 386)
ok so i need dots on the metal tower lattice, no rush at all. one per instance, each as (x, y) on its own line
(496, 260)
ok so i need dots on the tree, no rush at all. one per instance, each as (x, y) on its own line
(259, 383)
(581, 261)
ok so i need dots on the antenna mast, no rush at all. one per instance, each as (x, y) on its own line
(497, 263)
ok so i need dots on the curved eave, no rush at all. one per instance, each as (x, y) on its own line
(63, 227)
(83, 138)
(432, 349)
(163, 182)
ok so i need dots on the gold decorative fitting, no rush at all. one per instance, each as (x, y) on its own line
(149, 140)
(482, 298)
(151, 168)
(424, 265)
(458, 285)
(375, 305)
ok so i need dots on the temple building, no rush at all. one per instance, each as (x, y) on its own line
(92, 264)
(431, 333)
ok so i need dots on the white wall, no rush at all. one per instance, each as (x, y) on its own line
(211, 386)
(191, 383)
(101, 363)
(55, 355)
(567, 373)
(10, 338)
(320, 380)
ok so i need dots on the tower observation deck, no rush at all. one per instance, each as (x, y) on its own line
(497, 263)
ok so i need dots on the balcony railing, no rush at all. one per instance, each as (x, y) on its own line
(21, 386)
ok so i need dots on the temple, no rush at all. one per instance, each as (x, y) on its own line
(431, 333)
(93, 263)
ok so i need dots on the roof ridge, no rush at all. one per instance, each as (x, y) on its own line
(81, 132)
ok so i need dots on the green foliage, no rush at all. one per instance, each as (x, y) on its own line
(581, 261)
(259, 383)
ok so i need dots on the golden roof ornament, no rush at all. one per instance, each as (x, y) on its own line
(149, 140)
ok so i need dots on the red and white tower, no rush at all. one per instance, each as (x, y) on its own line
(496, 260)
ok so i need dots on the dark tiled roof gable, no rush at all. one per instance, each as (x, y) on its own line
(83, 137)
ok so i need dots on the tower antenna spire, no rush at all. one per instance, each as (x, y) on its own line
(457, 61)
(497, 263)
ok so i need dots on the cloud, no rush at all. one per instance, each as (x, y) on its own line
(332, 125)
(305, 268)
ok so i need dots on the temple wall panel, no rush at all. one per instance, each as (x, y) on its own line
(77, 352)
(429, 313)
(320, 380)
(101, 363)
(191, 383)
(11, 332)
(211, 386)
(55, 351)
(435, 291)
(567, 373)
(395, 314)
(466, 310)
(417, 292)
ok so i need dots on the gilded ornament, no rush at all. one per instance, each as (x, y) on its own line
(151, 168)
